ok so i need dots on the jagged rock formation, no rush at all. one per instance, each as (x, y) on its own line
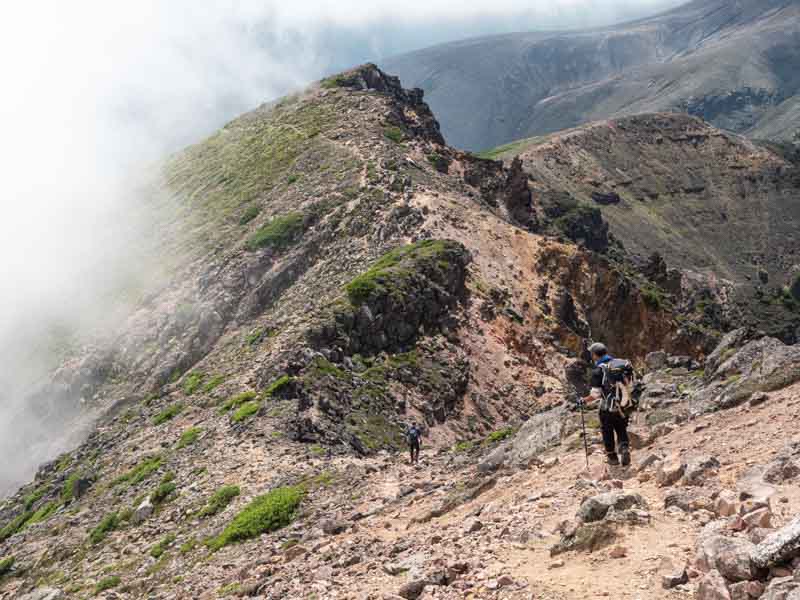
(730, 63)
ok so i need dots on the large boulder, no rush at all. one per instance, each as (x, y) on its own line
(587, 537)
(596, 508)
(730, 556)
(540, 433)
(713, 587)
(778, 548)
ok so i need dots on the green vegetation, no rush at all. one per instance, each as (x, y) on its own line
(277, 385)
(15, 525)
(333, 82)
(34, 497)
(395, 134)
(168, 413)
(44, 513)
(193, 382)
(497, 153)
(292, 179)
(264, 514)
(106, 526)
(68, 489)
(188, 545)
(219, 500)
(107, 584)
(140, 472)
(6, 565)
(246, 410)
(463, 446)
(321, 367)
(214, 383)
(254, 337)
(158, 550)
(164, 490)
(391, 270)
(499, 435)
(653, 297)
(280, 233)
(229, 590)
(316, 450)
(250, 213)
(439, 162)
(188, 437)
(236, 401)
(126, 514)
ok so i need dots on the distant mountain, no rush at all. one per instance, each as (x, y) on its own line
(733, 63)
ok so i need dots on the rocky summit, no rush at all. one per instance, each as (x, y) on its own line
(333, 271)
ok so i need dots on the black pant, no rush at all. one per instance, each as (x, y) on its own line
(614, 423)
(414, 448)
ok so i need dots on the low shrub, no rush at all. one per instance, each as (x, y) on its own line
(214, 383)
(236, 401)
(250, 213)
(107, 584)
(168, 414)
(193, 382)
(158, 550)
(140, 472)
(6, 565)
(219, 500)
(280, 233)
(264, 514)
(245, 411)
(277, 385)
(106, 526)
(188, 437)
(394, 133)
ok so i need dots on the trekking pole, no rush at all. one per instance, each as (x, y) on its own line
(585, 438)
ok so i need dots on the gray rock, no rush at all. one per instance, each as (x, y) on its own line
(728, 555)
(782, 588)
(540, 433)
(699, 470)
(472, 525)
(588, 537)
(494, 461)
(671, 581)
(778, 548)
(656, 360)
(596, 508)
(413, 589)
(46, 593)
(143, 511)
(712, 587)
(746, 590)
(333, 526)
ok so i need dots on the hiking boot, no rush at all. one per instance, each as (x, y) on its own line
(625, 455)
(613, 460)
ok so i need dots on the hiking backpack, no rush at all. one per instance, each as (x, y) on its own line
(620, 389)
(412, 435)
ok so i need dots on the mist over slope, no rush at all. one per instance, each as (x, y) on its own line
(731, 63)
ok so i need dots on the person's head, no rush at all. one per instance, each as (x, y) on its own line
(598, 350)
(414, 424)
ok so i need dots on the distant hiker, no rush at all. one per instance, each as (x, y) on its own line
(414, 436)
(612, 386)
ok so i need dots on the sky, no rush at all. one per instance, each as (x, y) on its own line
(94, 90)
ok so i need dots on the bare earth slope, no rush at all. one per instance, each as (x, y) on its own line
(707, 201)
(731, 63)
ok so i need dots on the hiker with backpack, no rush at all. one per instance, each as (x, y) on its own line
(413, 437)
(612, 387)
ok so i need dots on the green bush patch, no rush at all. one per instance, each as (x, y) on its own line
(106, 526)
(395, 134)
(389, 271)
(44, 513)
(236, 401)
(107, 584)
(219, 500)
(277, 385)
(500, 435)
(214, 383)
(168, 414)
(264, 514)
(249, 214)
(193, 382)
(6, 565)
(164, 490)
(158, 550)
(280, 233)
(34, 497)
(140, 472)
(188, 437)
(246, 410)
